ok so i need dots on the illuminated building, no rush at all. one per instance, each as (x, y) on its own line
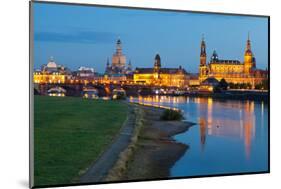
(118, 65)
(233, 71)
(85, 72)
(84, 75)
(114, 78)
(158, 76)
(193, 80)
(51, 73)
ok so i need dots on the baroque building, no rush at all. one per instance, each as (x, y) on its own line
(118, 65)
(158, 76)
(233, 71)
(51, 73)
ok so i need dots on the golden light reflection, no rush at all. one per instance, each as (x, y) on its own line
(215, 118)
(202, 124)
(240, 122)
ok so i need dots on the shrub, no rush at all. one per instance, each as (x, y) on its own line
(170, 115)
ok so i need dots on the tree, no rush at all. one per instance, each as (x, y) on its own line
(265, 84)
(223, 84)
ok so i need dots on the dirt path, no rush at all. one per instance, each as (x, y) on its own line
(100, 168)
(156, 151)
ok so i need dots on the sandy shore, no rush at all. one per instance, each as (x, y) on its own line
(156, 151)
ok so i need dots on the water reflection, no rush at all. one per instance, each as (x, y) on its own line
(237, 130)
(227, 126)
(203, 131)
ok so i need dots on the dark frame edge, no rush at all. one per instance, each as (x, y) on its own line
(31, 97)
(268, 148)
(151, 180)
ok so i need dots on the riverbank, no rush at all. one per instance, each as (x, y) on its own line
(70, 133)
(154, 151)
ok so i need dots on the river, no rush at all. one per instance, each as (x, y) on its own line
(230, 136)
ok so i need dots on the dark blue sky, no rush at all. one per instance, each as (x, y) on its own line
(85, 36)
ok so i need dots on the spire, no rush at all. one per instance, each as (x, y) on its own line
(51, 59)
(248, 50)
(157, 61)
(248, 42)
(129, 68)
(203, 47)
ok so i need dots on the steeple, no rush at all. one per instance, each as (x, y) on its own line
(203, 47)
(249, 60)
(157, 62)
(248, 50)
(203, 53)
(129, 65)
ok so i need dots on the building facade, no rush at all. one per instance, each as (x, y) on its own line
(233, 71)
(51, 73)
(158, 76)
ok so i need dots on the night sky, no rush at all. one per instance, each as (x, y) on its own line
(85, 36)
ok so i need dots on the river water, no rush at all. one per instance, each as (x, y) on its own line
(229, 136)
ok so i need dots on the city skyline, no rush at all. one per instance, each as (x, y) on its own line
(83, 40)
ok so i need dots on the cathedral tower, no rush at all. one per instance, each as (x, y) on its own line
(248, 57)
(203, 53)
(118, 59)
(203, 66)
(157, 63)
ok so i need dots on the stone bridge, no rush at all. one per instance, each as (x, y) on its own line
(103, 89)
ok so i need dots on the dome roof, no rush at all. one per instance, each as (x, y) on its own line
(51, 64)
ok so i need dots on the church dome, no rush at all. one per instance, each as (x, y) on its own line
(51, 63)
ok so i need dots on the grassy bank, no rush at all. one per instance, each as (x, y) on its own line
(70, 133)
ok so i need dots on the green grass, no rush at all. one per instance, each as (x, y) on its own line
(70, 133)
